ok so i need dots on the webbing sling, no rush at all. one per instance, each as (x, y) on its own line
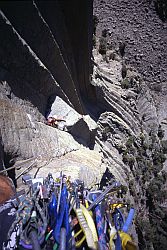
(100, 226)
(62, 217)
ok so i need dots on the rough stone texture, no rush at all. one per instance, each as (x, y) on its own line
(129, 118)
(82, 127)
(83, 164)
(26, 66)
(74, 28)
(145, 36)
(45, 69)
(119, 119)
(21, 16)
(37, 66)
(137, 24)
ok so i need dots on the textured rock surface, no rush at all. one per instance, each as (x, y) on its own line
(37, 66)
(45, 69)
(137, 24)
(131, 87)
(82, 127)
(127, 136)
(81, 163)
(21, 16)
(144, 34)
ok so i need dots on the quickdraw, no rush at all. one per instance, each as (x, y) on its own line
(61, 214)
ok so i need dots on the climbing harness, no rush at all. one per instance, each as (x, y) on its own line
(65, 215)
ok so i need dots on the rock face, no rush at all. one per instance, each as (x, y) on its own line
(82, 127)
(43, 58)
(113, 104)
(132, 140)
(52, 63)
(132, 130)
(137, 29)
(138, 26)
